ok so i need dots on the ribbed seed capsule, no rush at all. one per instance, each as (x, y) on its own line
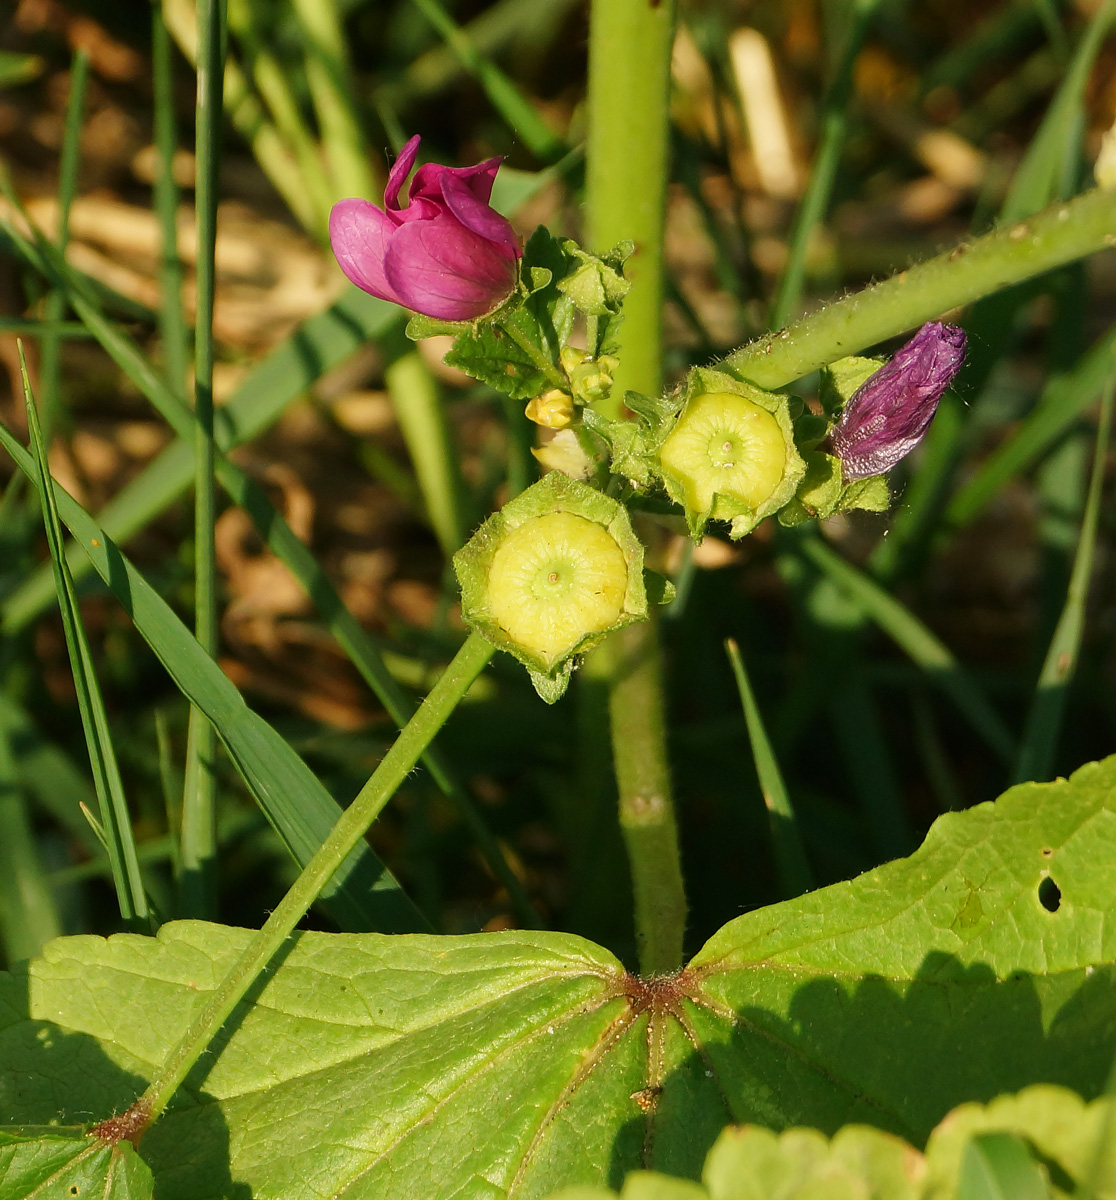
(555, 579)
(725, 450)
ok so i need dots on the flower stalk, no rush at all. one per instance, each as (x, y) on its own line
(405, 752)
(1021, 250)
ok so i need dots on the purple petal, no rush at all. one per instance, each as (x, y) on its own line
(359, 233)
(890, 412)
(476, 215)
(446, 271)
(399, 172)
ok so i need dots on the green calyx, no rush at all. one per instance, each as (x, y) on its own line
(730, 454)
(522, 348)
(822, 491)
(552, 573)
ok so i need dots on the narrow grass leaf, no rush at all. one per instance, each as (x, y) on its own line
(50, 366)
(268, 147)
(503, 93)
(282, 540)
(198, 878)
(115, 819)
(793, 867)
(823, 171)
(1062, 402)
(1044, 721)
(417, 402)
(329, 75)
(363, 894)
(912, 636)
(314, 348)
(173, 336)
(274, 83)
(1050, 160)
(864, 747)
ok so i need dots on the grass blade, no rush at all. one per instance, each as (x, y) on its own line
(50, 370)
(198, 881)
(502, 92)
(1044, 721)
(274, 85)
(268, 148)
(1052, 157)
(871, 771)
(329, 75)
(115, 819)
(921, 646)
(364, 894)
(275, 531)
(422, 421)
(795, 876)
(815, 201)
(1062, 402)
(314, 348)
(173, 336)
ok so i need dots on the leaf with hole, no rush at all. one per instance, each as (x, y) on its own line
(515, 1064)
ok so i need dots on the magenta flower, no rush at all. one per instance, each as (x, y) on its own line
(887, 416)
(448, 254)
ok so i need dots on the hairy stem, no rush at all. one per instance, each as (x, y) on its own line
(1014, 252)
(626, 172)
(646, 805)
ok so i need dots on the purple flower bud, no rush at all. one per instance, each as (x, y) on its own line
(448, 254)
(889, 413)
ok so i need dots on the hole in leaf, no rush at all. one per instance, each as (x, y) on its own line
(1050, 895)
(1046, 852)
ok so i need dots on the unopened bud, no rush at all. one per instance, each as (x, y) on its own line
(551, 410)
(889, 413)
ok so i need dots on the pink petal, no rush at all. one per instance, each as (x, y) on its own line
(430, 177)
(399, 172)
(475, 214)
(359, 233)
(446, 271)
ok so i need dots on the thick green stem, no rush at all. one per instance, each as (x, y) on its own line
(350, 828)
(1008, 255)
(626, 168)
(646, 805)
(626, 178)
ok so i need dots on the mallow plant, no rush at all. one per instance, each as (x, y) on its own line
(943, 1025)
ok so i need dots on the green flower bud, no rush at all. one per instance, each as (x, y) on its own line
(549, 575)
(731, 454)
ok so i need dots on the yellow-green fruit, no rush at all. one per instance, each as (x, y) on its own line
(555, 579)
(727, 446)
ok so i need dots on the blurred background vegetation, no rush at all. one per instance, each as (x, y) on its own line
(892, 692)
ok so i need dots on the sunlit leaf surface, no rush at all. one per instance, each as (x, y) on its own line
(515, 1064)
